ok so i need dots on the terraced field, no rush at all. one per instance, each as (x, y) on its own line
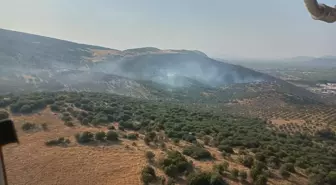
(287, 117)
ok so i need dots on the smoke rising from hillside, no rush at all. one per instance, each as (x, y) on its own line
(176, 71)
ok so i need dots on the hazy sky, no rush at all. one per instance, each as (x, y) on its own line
(220, 28)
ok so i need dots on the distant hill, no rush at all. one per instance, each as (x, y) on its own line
(324, 61)
(300, 62)
(35, 63)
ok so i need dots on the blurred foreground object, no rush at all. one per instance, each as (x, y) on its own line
(7, 135)
(321, 12)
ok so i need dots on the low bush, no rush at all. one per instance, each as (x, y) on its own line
(111, 127)
(205, 178)
(148, 175)
(242, 175)
(221, 168)
(69, 123)
(247, 161)
(234, 173)
(57, 142)
(84, 137)
(225, 148)
(3, 114)
(175, 163)
(132, 136)
(44, 126)
(28, 126)
(111, 136)
(283, 172)
(197, 152)
(100, 136)
(149, 155)
(288, 167)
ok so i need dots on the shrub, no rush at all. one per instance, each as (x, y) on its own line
(85, 121)
(234, 173)
(100, 136)
(132, 136)
(26, 109)
(260, 157)
(162, 146)
(161, 180)
(225, 148)
(175, 163)
(99, 118)
(216, 179)
(206, 140)
(217, 168)
(261, 180)
(197, 152)
(317, 179)
(176, 141)
(242, 175)
(66, 117)
(331, 177)
(151, 136)
(148, 175)
(224, 154)
(52, 142)
(111, 127)
(225, 165)
(69, 124)
(84, 137)
(220, 168)
(288, 167)
(121, 128)
(67, 141)
(147, 140)
(127, 125)
(44, 126)
(171, 170)
(205, 178)
(273, 161)
(247, 161)
(28, 126)
(170, 181)
(59, 141)
(3, 114)
(283, 172)
(327, 133)
(290, 159)
(149, 155)
(54, 108)
(257, 169)
(112, 136)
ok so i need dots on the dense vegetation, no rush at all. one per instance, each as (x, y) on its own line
(148, 175)
(175, 164)
(316, 155)
(87, 137)
(204, 178)
(197, 152)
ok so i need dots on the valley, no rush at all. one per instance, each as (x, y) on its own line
(314, 74)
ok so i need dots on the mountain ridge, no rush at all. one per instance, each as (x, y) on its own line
(36, 63)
